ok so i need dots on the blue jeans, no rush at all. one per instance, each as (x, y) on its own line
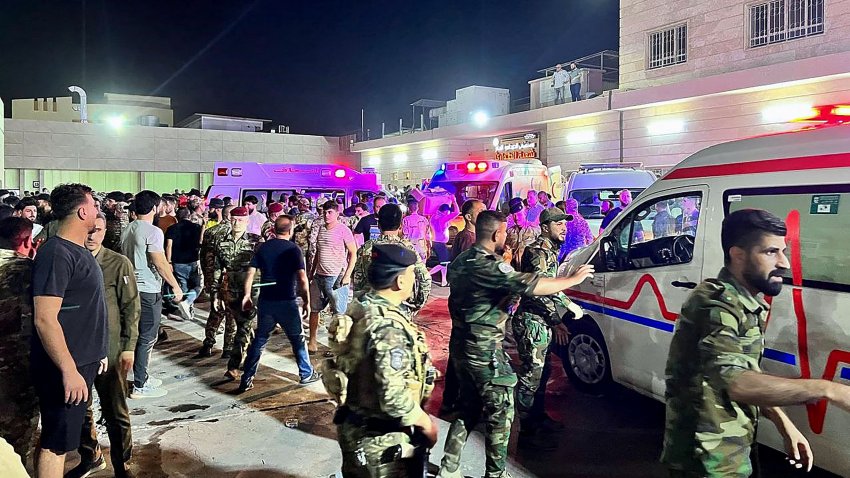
(338, 298)
(270, 313)
(149, 320)
(189, 278)
(575, 91)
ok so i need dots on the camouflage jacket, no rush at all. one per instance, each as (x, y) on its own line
(301, 232)
(267, 231)
(115, 225)
(233, 257)
(482, 289)
(16, 323)
(718, 336)
(384, 358)
(209, 244)
(518, 238)
(360, 276)
(541, 257)
(51, 228)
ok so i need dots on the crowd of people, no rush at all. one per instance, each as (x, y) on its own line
(82, 299)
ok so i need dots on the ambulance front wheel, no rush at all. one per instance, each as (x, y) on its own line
(585, 357)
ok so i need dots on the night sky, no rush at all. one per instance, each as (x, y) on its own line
(309, 64)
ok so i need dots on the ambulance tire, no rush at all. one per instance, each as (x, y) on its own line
(585, 357)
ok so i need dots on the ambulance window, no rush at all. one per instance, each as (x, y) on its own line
(660, 232)
(824, 219)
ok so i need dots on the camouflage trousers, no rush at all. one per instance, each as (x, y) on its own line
(533, 338)
(214, 322)
(18, 413)
(478, 393)
(362, 452)
(244, 331)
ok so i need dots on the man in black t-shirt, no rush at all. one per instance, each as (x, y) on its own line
(284, 278)
(182, 247)
(70, 317)
(368, 226)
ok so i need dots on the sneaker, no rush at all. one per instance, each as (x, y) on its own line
(148, 392)
(153, 382)
(244, 387)
(85, 469)
(312, 378)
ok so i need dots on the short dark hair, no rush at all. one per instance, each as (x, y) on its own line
(283, 224)
(251, 199)
(145, 202)
(14, 231)
(43, 197)
(362, 206)
(183, 213)
(66, 199)
(445, 208)
(328, 205)
(746, 227)
(389, 217)
(6, 211)
(25, 202)
(488, 222)
(468, 205)
(11, 200)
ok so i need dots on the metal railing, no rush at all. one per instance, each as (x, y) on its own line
(606, 60)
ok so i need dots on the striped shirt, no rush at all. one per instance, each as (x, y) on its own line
(331, 248)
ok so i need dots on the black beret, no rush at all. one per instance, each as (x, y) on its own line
(216, 203)
(392, 256)
(116, 196)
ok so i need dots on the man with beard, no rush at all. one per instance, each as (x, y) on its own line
(715, 387)
(116, 220)
(482, 289)
(534, 323)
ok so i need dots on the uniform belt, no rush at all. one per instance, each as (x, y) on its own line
(372, 424)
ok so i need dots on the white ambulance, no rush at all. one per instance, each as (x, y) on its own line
(493, 182)
(645, 272)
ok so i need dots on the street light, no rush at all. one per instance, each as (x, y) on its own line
(480, 118)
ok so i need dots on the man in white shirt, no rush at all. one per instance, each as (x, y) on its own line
(256, 219)
(559, 82)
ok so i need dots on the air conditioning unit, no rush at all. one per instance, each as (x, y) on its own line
(282, 129)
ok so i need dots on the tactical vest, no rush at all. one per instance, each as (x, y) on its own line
(348, 341)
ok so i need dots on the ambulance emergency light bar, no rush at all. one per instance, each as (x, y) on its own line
(801, 113)
(237, 172)
(469, 167)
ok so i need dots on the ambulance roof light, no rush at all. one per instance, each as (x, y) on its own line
(340, 173)
(828, 114)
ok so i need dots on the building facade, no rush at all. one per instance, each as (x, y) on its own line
(737, 69)
(116, 109)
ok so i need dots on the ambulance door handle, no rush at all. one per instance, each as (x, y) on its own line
(684, 285)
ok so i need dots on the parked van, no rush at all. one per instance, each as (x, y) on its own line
(269, 181)
(493, 182)
(645, 272)
(594, 183)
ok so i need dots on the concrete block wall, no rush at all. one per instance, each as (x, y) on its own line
(587, 139)
(50, 145)
(718, 39)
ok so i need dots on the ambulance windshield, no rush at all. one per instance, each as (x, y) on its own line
(590, 200)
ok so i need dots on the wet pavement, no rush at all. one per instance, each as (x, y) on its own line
(281, 429)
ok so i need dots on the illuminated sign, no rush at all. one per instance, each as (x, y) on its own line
(519, 147)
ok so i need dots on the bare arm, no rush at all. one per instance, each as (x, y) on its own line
(549, 286)
(164, 268)
(351, 248)
(50, 332)
(304, 291)
(771, 391)
(168, 244)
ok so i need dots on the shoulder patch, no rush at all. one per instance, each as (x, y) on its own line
(506, 268)
(397, 358)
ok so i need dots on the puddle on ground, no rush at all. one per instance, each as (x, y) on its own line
(187, 407)
(157, 423)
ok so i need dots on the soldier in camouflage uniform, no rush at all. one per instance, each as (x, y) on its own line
(520, 233)
(713, 373)
(233, 258)
(267, 231)
(18, 402)
(482, 288)
(116, 220)
(389, 220)
(533, 324)
(218, 312)
(304, 222)
(382, 375)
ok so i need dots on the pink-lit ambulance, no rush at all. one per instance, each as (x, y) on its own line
(268, 182)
